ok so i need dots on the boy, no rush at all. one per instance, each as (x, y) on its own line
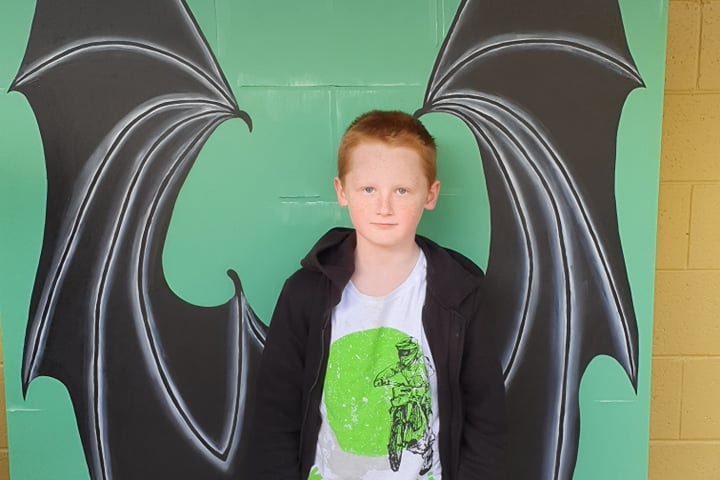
(379, 363)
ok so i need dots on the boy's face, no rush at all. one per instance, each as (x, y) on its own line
(386, 193)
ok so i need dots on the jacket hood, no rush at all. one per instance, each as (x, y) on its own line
(333, 256)
(451, 275)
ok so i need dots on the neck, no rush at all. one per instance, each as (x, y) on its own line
(378, 271)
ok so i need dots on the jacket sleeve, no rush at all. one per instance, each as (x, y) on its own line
(275, 438)
(483, 390)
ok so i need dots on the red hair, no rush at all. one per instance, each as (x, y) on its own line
(393, 128)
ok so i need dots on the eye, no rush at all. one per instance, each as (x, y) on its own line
(401, 191)
(368, 189)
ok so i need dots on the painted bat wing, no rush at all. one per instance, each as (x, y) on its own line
(125, 94)
(541, 84)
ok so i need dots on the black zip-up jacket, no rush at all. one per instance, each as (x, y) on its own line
(471, 394)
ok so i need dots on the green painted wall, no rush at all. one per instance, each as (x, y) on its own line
(256, 201)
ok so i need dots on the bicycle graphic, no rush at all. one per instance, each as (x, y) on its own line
(410, 405)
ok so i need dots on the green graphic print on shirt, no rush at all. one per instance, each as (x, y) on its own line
(377, 396)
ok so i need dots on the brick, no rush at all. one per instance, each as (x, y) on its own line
(3, 416)
(3, 413)
(665, 398)
(677, 460)
(705, 227)
(4, 465)
(700, 419)
(686, 309)
(691, 144)
(682, 45)
(709, 76)
(673, 226)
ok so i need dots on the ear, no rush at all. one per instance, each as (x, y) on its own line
(342, 201)
(432, 197)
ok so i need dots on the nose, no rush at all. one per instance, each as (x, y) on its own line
(385, 205)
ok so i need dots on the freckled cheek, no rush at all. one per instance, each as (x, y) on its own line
(408, 208)
(361, 210)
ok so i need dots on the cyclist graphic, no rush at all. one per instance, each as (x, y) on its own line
(410, 405)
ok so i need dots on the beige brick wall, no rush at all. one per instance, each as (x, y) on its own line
(685, 405)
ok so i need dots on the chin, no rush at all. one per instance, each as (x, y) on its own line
(388, 240)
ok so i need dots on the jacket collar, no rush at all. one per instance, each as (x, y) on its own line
(451, 276)
(333, 256)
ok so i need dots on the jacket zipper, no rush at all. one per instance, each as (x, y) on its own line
(303, 426)
(458, 410)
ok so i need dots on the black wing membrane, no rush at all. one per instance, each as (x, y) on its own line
(125, 94)
(541, 84)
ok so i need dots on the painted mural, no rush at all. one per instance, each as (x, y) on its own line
(520, 80)
(103, 320)
(126, 96)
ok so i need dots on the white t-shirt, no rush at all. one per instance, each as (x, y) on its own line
(379, 404)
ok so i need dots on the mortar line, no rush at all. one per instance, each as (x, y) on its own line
(688, 182)
(689, 226)
(675, 92)
(682, 390)
(699, 55)
(686, 356)
(688, 270)
(668, 441)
